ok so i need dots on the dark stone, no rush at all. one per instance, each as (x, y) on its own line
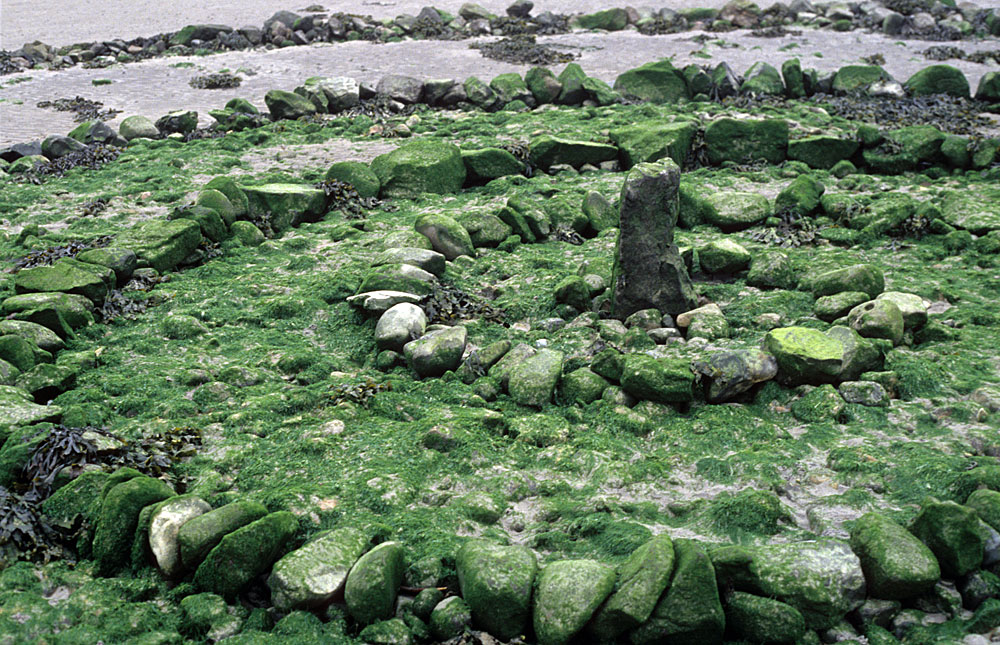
(404, 89)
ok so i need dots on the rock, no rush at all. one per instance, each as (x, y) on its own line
(822, 579)
(877, 319)
(905, 149)
(404, 89)
(236, 198)
(209, 221)
(430, 261)
(485, 229)
(18, 408)
(94, 131)
(201, 534)
(911, 306)
(436, 352)
(648, 270)
(315, 574)
(860, 354)
(772, 270)
(821, 151)
(859, 277)
(953, 534)
(897, 566)
(405, 277)
(858, 78)
(791, 73)
(356, 174)
(838, 305)
(177, 122)
(642, 578)
(723, 256)
(547, 151)
(988, 90)
(289, 204)
(480, 94)
(568, 594)
(661, 380)
(608, 20)
(520, 8)
(543, 85)
(450, 618)
(965, 211)
(19, 352)
(118, 518)
(731, 373)
(732, 211)
(56, 146)
(67, 275)
(801, 196)
(533, 381)
(399, 325)
(198, 32)
(164, 526)
(762, 80)
(652, 142)
(805, 355)
(122, 261)
(486, 164)
(496, 582)
(288, 105)
(746, 140)
(421, 166)
(43, 337)
(58, 312)
(573, 291)
(511, 87)
(689, 613)
(161, 244)
(370, 590)
(447, 236)
(47, 381)
(763, 620)
(938, 79)
(340, 92)
(600, 213)
(659, 82)
(582, 386)
(138, 127)
(207, 614)
(986, 503)
(247, 233)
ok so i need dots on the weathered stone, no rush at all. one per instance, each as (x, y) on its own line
(118, 518)
(447, 236)
(762, 79)
(403, 277)
(547, 151)
(18, 408)
(404, 89)
(201, 534)
(316, 573)
(641, 580)
(821, 151)
(801, 196)
(288, 204)
(399, 325)
(859, 277)
(496, 581)
(450, 618)
(731, 373)
(896, 565)
(652, 142)
(657, 81)
(486, 164)
(421, 166)
(772, 270)
(805, 355)
(743, 141)
(838, 305)
(122, 261)
(161, 244)
(954, 534)
(533, 381)
(723, 256)
(67, 275)
(288, 105)
(543, 85)
(164, 526)
(138, 127)
(648, 269)
(877, 319)
(569, 592)
(662, 380)
(43, 337)
(763, 620)
(938, 79)
(370, 590)
(177, 122)
(732, 211)
(436, 352)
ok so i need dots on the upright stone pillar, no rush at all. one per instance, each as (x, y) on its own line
(649, 271)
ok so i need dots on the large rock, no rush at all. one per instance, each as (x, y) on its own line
(877, 319)
(690, 612)
(288, 105)
(859, 277)
(954, 534)
(67, 275)
(119, 517)
(17, 407)
(288, 204)
(543, 85)
(161, 244)
(370, 590)
(315, 574)
(486, 164)
(447, 236)
(763, 79)
(805, 355)
(732, 211)
(201, 534)
(568, 594)
(534, 380)
(821, 151)
(56, 146)
(988, 89)
(164, 526)
(968, 211)
(245, 554)
(399, 325)
(398, 277)
(658, 81)
(608, 20)
(404, 89)
(905, 149)
(341, 92)
(897, 566)
(653, 141)
(763, 620)
(122, 261)
(662, 380)
(138, 127)
(58, 312)
(641, 580)
(547, 151)
(801, 196)
(437, 352)
(356, 174)
(422, 166)
(821, 579)
(496, 581)
(860, 354)
(746, 140)
(178, 122)
(44, 337)
(648, 270)
(728, 374)
(938, 79)
(858, 78)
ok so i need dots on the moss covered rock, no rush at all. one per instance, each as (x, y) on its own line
(245, 554)
(497, 581)
(543, 84)
(801, 196)
(877, 319)
(200, 535)
(357, 174)
(436, 352)
(118, 518)
(67, 275)
(746, 140)
(658, 81)
(723, 256)
(370, 590)
(608, 20)
(447, 236)
(763, 620)
(953, 533)
(547, 151)
(288, 204)
(316, 573)
(641, 580)
(805, 355)
(653, 141)
(732, 211)
(762, 79)
(938, 79)
(486, 164)
(663, 380)
(569, 592)
(854, 78)
(421, 166)
(288, 105)
(897, 565)
(821, 151)
(866, 278)
(533, 381)
(161, 244)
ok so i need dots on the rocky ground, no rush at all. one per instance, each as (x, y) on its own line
(595, 354)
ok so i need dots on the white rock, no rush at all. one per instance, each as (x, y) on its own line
(163, 530)
(399, 325)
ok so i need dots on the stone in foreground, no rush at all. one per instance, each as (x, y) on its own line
(316, 573)
(897, 565)
(370, 590)
(569, 592)
(496, 582)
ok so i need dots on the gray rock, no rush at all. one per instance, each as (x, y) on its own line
(404, 89)
(399, 325)
(164, 527)
(648, 269)
(378, 302)
(436, 352)
(314, 574)
(370, 590)
(731, 373)
(56, 146)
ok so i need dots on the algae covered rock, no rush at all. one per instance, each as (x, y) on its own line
(399, 325)
(421, 166)
(608, 20)
(853, 78)
(164, 526)
(370, 590)
(805, 355)
(877, 319)
(288, 105)
(763, 620)
(662, 380)
(690, 612)
(801, 196)
(136, 127)
(762, 79)
(217, 201)
(486, 164)
(728, 374)
(17, 407)
(547, 151)
(67, 275)
(821, 151)
(161, 244)
(450, 618)
(859, 277)
(568, 594)
(772, 270)
(954, 534)
(533, 381)
(582, 386)
(245, 553)
(658, 81)
(746, 140)
(653, 141)
(437, 352)
(205, 615)
(731, 211)
(356, 174)
(201, 534)
(838, 305)
(288, 204)
(938, 79)
(314, 574)
(233, 193)
(496, 582)
(447, 236)
(897, 565)
(543, 84)
(723, 256)
(118, 518)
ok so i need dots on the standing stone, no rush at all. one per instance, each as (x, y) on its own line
(496, 582)
(649, 272)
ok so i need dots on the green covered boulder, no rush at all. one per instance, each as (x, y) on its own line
(370, 590)
(217, 201)
(496, 582)
(954, 534)
(732, 211)
(642, 579)
(436, 352)
(763, 620)
(723, 256)
(805, 355)
(938, 79)
(866, 278)
(762, 79)
(200, 535)
(209, 221)
(746, 140)
(658, 81)
(245, 554)
(161, 244)
(57, 312)
(897, 565)
(608, 20)
(547, 151)
(421, 166)
(288, 105)
(34, 333)
(288, 204)
(905, 149)
(568, 594)
(237, 198)
(801, 196)
(653, 141)
(662, 380)
(118, 518)
(314, 574)
(858, 78)
(970, 212)
(357, 174)
(533, 381)
(543, 84)
(446, 236)
(821, 151)
(988, 89)
(67, 275)
(879, 318)
(486, 164)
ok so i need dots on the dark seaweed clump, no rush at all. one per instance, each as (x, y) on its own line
(91, 208)
(946, 52)
(7, 66)
(92, 157)
(45, 257)
(344, 197)
(566, 234)
(522, 49)
(378, 109)
(359, 393)
(660, 25)
(82, 109)
(26, 533)
(776, 31)
(546, 24)
(792, 230)
(946, 113)
(447, 304)
(220, 81)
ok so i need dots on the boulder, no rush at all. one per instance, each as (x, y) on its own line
(763, 620)
(421, 166)
(403, 277)
(746, 140)
(94, 131)
(568, 594)
(399, 325)
(288, 105)
(404, 89)
(56, 146)
(138, 127)
(571, 79)
(162, 244)
(830, 308)
(534, 380)
(608, 20)
(938, 79)
(34, 333)
(437, 352)
(905, 149)
(805, 355)
(858, 78)
(953, 533)
(289, 204)
(801, 196)
(772, 270)
(762, 79)
(658, 81)
(430, 261)
(356, 174)
(217, 201)
(548, 151)
(661, 380)
(118, 518)
(447, 237)
(723, 256)
(67, 275)
(122, 261)
(496, 582)
(164, 526)
(988, 89)
(18, 408)
(652, 142)
(486, 164)
(450, 618)
(201, 534)
(728, 374)
(859, 277)
(543, 85)
(821, 151)
(642, 579)
(732, 211)
(897, 566)
(648, 270)
(315, 574)
(860, 354)
(370, 590)
(247, 233)
(58, 312)
(877, 319)
(177, 122)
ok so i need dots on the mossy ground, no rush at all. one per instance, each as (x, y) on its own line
(259, 383)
